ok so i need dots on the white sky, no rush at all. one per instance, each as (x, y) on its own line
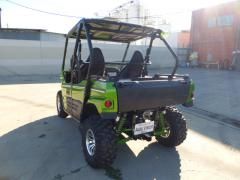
(178, 12)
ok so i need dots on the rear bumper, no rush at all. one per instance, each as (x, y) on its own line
(109, 115)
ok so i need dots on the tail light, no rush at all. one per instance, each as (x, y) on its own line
(108, 103)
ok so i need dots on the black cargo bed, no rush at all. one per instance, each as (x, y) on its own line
(150, 93)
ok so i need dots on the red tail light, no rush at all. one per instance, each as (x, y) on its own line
(108, 103)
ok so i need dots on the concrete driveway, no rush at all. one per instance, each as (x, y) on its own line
(217, 91)
(36, 144)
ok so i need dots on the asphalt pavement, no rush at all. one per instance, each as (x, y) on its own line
(217, 91)
(36, 144)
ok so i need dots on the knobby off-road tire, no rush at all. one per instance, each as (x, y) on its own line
(105, 139)
(59, 103)
(178, 128)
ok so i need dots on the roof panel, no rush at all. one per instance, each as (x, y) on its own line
(106, 30)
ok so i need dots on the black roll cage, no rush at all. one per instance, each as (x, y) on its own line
(82, 25)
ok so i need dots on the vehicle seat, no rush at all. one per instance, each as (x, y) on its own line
(98, 64)
(134, 68)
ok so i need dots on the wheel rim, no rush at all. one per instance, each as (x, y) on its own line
(58, 103)
(90, 142)
(166, 132)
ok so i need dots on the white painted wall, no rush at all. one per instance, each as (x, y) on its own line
(21, 57)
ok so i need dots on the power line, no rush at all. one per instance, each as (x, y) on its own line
(79, 17)
(42, 11)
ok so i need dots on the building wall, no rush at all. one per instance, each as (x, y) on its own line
(183, 39)
(214, 31)
(24, 57)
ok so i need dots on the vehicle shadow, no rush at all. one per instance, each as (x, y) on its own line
(153, 162)
(50, 148)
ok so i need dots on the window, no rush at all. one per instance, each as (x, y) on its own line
(226, 20)
(212, 22)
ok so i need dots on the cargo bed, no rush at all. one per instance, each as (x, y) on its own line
(150, 93)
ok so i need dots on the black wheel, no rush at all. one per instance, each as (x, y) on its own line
(98, 141)
(59, 102)
(177, 128)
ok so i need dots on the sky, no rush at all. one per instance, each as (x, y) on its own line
(177, 12)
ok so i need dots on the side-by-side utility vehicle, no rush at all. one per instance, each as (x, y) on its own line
(117, 101)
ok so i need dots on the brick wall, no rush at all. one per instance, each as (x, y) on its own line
(214, 31)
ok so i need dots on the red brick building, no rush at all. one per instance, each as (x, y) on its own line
(183, 39)
(215, 32)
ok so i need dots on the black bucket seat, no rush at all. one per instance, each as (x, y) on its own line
(134, 68)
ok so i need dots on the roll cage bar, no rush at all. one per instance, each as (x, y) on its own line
(84, 25)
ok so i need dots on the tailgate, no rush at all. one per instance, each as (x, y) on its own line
(140, 95)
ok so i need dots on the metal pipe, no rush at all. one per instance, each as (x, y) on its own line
(173, 54)
(64, 54)
(88, 83)
(77, 40)
(149, 49)
(146, 59)
(125, 53)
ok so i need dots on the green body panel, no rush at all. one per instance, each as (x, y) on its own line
(190, 99)
(78, 91)
(100, 92)
(65, 87)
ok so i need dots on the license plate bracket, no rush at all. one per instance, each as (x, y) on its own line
(143, 128)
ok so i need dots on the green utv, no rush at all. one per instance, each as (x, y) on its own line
(118, 101)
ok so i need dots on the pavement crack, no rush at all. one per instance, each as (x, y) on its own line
(61, 176)
(219, 118)
(42, 136)
(76, 170)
